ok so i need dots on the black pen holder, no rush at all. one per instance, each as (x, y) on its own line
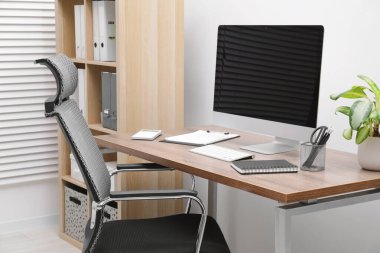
(312, 157)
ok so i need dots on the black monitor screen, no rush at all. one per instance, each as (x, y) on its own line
(269, 72)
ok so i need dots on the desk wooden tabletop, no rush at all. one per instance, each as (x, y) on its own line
(342, 174)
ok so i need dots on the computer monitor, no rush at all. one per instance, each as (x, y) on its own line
(267, 74)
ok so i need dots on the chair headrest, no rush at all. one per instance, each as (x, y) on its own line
(66, 76)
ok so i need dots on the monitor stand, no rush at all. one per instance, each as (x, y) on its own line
(279, 145)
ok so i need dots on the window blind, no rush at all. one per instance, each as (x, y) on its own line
(28, 140)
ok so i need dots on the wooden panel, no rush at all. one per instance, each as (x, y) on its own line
(102, 63)
(79, 61)
(170, 71)
(342, 175)
(71, 240)
(64, 170)
(65, 32)
(74, 181)
(110, 157)
(151, 77)
(100, 128)
(64, 153)
(79, 64)
(65, 43)
(150, 85)
(170, 75)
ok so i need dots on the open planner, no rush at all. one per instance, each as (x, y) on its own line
(263, 166)
(200, 138)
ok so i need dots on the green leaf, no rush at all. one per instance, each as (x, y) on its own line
(360, 111)
(371, 84)
(343, 109)
(362, 134)
(377, 107)
(374, 115)
(347, 134)
(354, 92)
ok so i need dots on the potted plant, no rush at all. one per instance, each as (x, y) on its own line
(364, 118)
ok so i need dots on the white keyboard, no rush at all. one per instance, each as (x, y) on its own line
(221, 153)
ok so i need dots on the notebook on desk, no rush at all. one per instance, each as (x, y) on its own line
(264, 166)
(200, 138)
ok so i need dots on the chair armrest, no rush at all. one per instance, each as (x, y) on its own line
(152, 194)
(139, 167)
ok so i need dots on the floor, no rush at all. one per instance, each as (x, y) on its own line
(41, 240)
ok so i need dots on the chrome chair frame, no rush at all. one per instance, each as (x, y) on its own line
(95, 223)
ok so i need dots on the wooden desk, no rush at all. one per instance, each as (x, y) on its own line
(342, 175)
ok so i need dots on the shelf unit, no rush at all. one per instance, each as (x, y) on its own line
(150, 79)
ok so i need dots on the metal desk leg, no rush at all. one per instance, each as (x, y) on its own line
(283, 231)
(285, 213)
(212, 198)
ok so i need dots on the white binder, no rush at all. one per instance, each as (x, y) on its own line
(82, 98)
(107, 31)
(78, 36)
(82, 33)
(75, 95)
(95, 30)
(80, 93)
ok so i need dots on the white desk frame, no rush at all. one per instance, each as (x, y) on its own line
(285, 213)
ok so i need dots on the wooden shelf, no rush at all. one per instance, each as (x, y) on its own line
(100, 128)
(74, 181)
(80, 61)
(95, 63)
(102, 63)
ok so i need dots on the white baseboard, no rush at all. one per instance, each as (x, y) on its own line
(28, 224)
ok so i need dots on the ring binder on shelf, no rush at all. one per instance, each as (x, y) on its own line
(95, 15)
(77, 19)
(79, 31)
(104, 30)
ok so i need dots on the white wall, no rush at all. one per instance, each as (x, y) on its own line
(28, 204)
(351, 47)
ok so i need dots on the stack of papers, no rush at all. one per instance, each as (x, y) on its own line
(200, 138)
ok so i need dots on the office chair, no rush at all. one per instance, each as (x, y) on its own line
(180, 233)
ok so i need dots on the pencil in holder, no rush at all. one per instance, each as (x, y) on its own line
(312, 156)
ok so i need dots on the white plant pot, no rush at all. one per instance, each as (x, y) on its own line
(368, 154)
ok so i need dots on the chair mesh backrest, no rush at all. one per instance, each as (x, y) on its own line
(67, 75)
(84, 148)
(74, 127)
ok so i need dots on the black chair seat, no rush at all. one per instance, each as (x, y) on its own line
(171, 234)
